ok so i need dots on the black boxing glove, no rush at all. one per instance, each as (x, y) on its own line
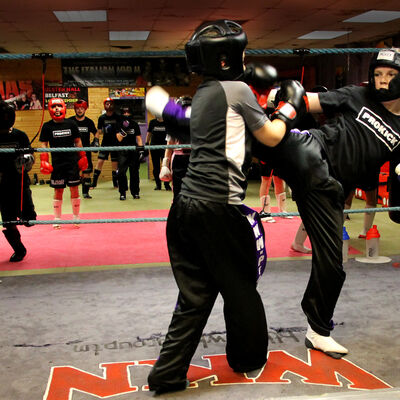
(261, 77)
(291, 103)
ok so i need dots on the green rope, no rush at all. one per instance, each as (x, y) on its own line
(91, 148)
(181, 53)
(163, 219)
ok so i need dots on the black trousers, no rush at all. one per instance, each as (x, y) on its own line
(211, 247)
(156, 158)
(179, 166)
(128, 160)
(300, 160)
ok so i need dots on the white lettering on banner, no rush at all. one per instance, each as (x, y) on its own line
(62, 133)
(385, 133)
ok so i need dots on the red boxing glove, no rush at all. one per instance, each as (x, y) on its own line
(83, 162)
(45, 167)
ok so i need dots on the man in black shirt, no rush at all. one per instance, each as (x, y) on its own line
(64, 170)
(14, 169)
(156, 135)
(107, 125)
(129, 135)
(86, 126)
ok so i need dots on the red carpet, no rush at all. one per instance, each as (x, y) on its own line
(119, 243)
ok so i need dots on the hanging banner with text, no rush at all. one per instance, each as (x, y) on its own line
(141, 72)
(69, 94)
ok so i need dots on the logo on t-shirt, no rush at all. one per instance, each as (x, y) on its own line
(83, 129)
(382, 131)
(62, 133)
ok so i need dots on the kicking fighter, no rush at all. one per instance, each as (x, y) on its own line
(323, 165)
(86, 127)
(14, 168)
(107, 125)
(64, 170)
(216, 243)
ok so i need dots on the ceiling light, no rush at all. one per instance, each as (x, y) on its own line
(128, 35)
(375, 16)
(324, 35)
(81, 16)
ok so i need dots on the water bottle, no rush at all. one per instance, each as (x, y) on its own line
(345, 250)
(372, 243)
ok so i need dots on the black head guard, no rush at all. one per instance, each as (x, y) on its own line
(7, 116)
(216, 49)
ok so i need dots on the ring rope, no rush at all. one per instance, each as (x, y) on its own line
(91, 148)
(163, 219)
(181, 53)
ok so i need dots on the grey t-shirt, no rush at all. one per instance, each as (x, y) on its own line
(224, 113)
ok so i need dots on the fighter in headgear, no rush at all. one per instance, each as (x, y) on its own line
(7, 116)
(385, 58)
(216, 49)
(57, 109)
(108, 100)
(80, 103)
(15, 195)
(261, 78)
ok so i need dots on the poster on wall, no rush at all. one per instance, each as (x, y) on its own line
(132, 97)
(22, 95)
(139, 72)
(127, 93)
(69, 94)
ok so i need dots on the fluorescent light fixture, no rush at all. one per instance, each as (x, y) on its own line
(324, 35)
(375, 16)
(128, 35)
(81, 16)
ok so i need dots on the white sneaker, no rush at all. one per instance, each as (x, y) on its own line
(326, 344)
(56, 226)
(266, 217)
(300, 248)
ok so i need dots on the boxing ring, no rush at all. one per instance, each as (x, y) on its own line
(95, 332)
(92, 332)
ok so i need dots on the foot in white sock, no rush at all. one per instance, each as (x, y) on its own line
(326, 344)
(300, 248)
(56, 226)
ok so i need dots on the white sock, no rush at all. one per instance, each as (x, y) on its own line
(57, 207)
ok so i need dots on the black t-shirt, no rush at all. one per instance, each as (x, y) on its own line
(61, 134)
(13, 140)
(158, 132)
(132, 130)
(86, 127)
(109, 125)
(361, 136)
